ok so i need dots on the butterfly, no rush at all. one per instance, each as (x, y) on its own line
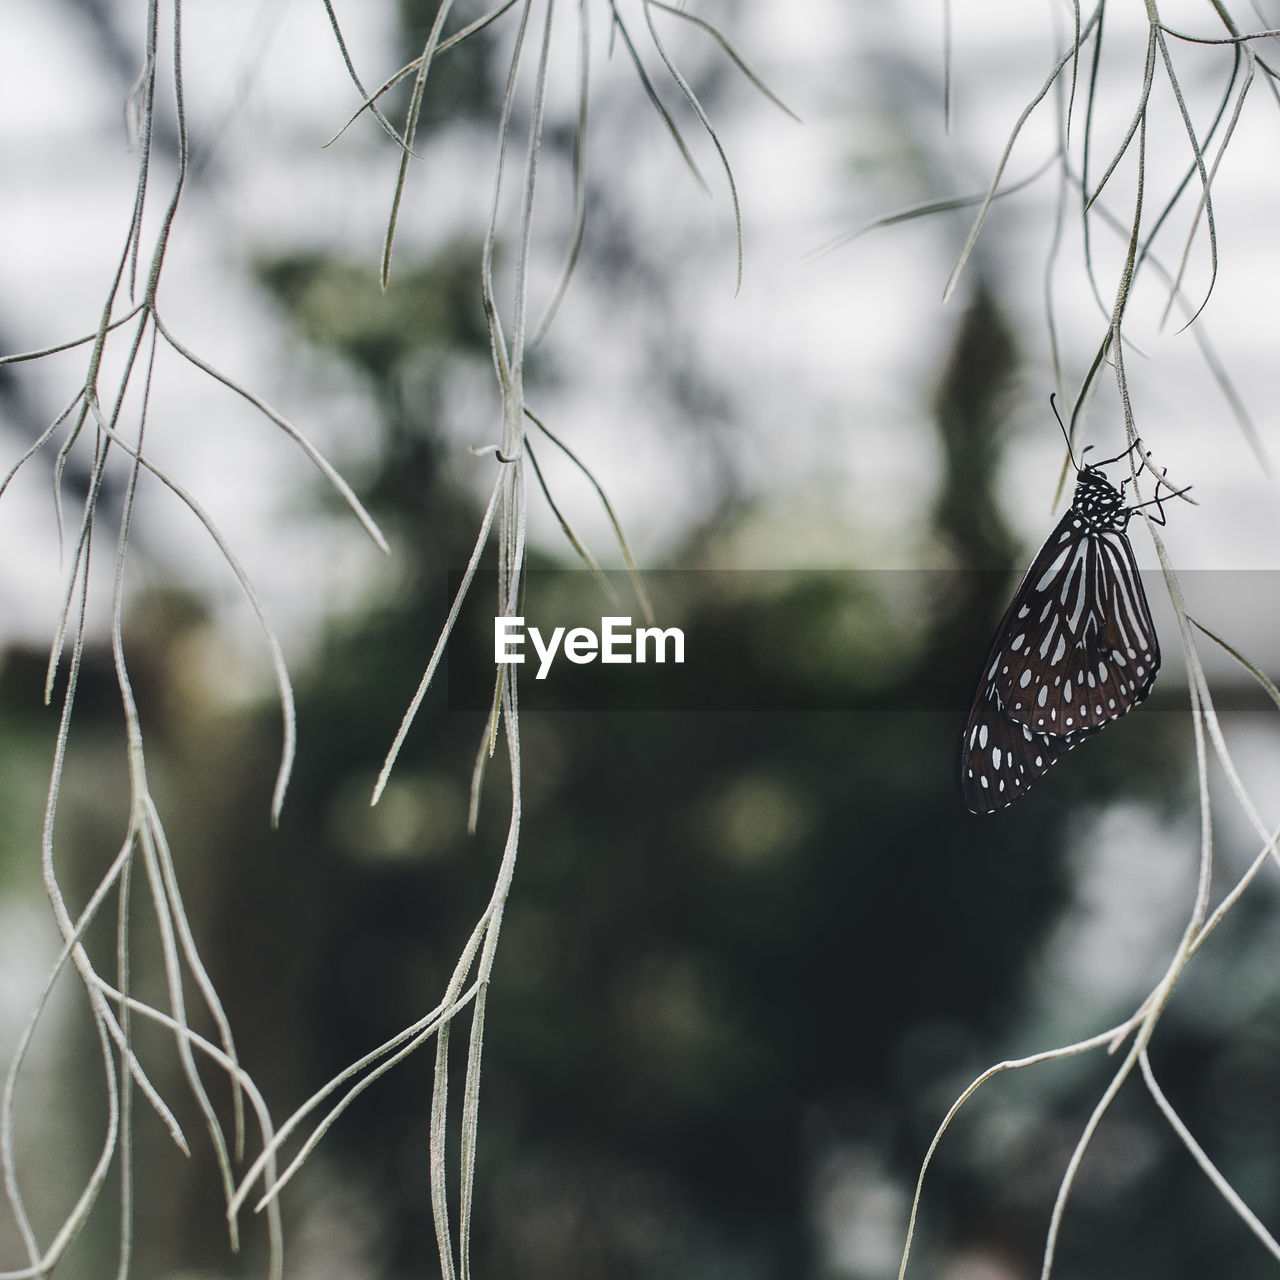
(1075, 650)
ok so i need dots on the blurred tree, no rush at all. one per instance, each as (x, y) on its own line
(740, 940)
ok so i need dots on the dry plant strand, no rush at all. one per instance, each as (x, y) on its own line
(985, 207)
(1145, 1019)
(1093, 30)
(1011, 1064)
(410, 68)
(1155, 1002)
(1140, 1028)
(244, 1081)
(369, 104)
(1211, 1171)
(1199, 335)
(406, 723)
(637, 581)
(482, 943)
(283, 683)
(578, 171)
(95, 416)
(170, 913)
(592, 565)
(411, 125)
(703, 118)
(400, 1046)
(507, 510)
(1206, 201)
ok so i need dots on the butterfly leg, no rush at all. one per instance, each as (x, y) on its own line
(1137, 444)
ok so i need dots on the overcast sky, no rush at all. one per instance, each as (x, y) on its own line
(827, 362)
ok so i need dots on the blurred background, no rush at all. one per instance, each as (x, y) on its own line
(755, 946)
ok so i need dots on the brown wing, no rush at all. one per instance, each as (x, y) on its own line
(1077, 647)
(1001, 757)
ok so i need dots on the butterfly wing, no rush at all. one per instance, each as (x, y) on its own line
(1000, 757)
(1076, 649)
(1128, 652)
(1077, 646)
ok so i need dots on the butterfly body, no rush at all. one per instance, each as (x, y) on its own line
(1076, 649)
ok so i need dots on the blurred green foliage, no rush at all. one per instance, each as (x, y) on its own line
(740, 942)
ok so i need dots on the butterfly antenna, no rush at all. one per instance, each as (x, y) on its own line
(1053, 404)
